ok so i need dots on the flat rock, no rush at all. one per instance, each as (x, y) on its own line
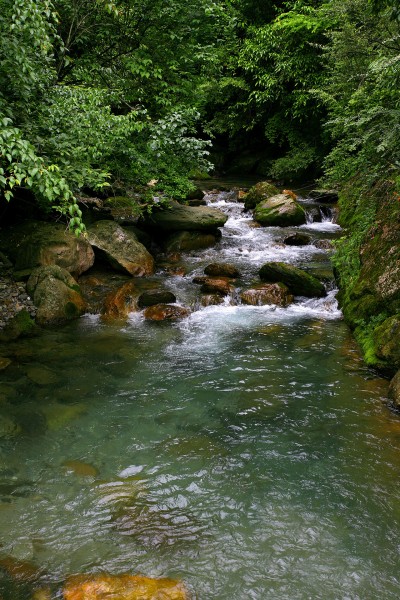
(177, 217)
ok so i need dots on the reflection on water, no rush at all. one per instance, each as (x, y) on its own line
(245, 450)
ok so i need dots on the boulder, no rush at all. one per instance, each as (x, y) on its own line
(56, 295)
(267, 293)
(185, 241)
(297, 239)
(196, 194)
(35, 243)
(298, 281)
(394, 390)
(123, 587)
(165, 312)
(121, 248)
(119, 303)
(281, 211)
(222, 270)
(21, 325)
(386, 340)
(211, 299)
(259, 192)
(324, 195)
(177, 217)
(153, 297)
(219, 285)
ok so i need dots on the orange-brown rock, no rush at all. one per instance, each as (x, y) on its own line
(118, 304)
(165, 312)
(222, 270)
(123, 587)
(19, 570)
(220, 285)
(211, 299)
(273, 293)
(80, 468)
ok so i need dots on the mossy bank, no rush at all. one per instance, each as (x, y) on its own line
(367, 265)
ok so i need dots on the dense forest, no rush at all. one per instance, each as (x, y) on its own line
(138, 98)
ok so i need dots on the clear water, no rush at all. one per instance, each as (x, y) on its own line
(245, 450)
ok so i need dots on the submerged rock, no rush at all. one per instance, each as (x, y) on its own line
(80, 468)
(41, 375)
(281, 211)
(267, 293)
(298, 281)
(165, 312)
(259, 192)
(56, 295)
(121, 248)
(222, 270)
(185, 218)
(123, 587)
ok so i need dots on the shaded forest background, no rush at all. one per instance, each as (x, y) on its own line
(105, 97)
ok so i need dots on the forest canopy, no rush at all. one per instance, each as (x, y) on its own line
(97, 96)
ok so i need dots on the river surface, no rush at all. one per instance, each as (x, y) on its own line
(245, 450)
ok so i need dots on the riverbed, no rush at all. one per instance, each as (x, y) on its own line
(245, 450)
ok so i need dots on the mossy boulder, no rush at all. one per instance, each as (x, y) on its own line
(394, 390)
(280, 211)
(298, 281)
(186, 241)
(123, 209)
(123, 587)
(259, 192)
(21, 325)
(177, 217)
(387, 341)
(267, 293)
(56, 295)
(36, 243)
(121, 248)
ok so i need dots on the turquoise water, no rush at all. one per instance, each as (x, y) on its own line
(245, 450)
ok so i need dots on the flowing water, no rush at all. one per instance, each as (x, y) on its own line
(245, 450)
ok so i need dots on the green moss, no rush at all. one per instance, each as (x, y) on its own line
(21, 325)
(71, 311)
(259, 192)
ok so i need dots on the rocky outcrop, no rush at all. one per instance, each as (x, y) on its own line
(298, 281)
(56, 295)
(267, 293)
(121, 248)
(259, 192)
(166, 312)
(36, 243)
(222, 270)
(177, 217)
(123, 587)
(279, 211)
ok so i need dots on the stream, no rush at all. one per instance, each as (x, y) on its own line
(245, 449)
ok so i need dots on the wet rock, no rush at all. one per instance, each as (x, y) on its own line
(56, 295)
(80, 468)
(34, 243)
(197, 202)
(186, 241)
(121, 248)
(386, 340)
(259, 192)
(222, 270)
(280, 210)
(324, 195)
(200, 279)
(185, 218)
(123, 587)
(211, 299)
(297, 239)
(119, 303)
(165, 312)
(217, 286)
(324, 244)
(394, 390)
(314, 214)
(153, 297)
(272, 293)
(298, 281)
(41, 375)
(19, 570)
(4, 363)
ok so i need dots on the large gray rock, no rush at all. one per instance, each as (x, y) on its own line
(36, 243)
(121, 248)
(280, 211)
(177, 217)
(56, 295)
(298, 281)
